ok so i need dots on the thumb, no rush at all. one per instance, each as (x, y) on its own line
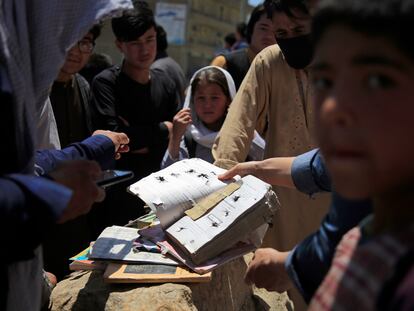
(101, 195)
(227, 175)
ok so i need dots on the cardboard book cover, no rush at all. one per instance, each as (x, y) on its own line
(152, 273)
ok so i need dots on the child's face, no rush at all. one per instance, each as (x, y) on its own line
(364, 100)
(75, 58)
(140, 53)
(263, 34)
(210, 104)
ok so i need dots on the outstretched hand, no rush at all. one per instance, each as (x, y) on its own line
(180, 122)
(120, 141)
(242, 169)
(275, 171)
(267, 270)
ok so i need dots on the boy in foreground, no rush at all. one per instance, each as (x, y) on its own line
(363, 75)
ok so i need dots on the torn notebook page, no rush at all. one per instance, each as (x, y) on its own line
(173, 190)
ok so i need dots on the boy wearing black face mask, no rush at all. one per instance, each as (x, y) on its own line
(275, 99)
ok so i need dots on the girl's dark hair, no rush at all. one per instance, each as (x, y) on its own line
(391, 19)
(210, 75)
(286, 6)
(133, 23)
(257, 13)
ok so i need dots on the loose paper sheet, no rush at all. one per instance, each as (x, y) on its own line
(115, 243)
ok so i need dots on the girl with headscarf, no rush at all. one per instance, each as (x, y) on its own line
(196, 126)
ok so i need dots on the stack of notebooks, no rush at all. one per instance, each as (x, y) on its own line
(202, 223)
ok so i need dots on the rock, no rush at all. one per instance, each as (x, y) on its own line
(227, 291)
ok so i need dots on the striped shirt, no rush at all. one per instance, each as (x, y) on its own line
(360, 269)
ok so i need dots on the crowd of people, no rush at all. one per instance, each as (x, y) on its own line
(313, 97)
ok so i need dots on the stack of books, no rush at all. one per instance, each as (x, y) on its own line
(202, 222)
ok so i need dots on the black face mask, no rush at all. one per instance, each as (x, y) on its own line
(298, 51)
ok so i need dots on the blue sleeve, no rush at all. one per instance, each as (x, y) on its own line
(309, 262)
(97, 148)
(309, 173)
(29, 206)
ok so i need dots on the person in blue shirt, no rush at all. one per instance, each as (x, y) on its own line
(30, 55)
(103, 147)
(306, 265)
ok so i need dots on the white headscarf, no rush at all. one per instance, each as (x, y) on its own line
(206, 137)
(34, 38)
(199, 132)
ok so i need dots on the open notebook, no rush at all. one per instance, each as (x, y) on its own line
(202, 215)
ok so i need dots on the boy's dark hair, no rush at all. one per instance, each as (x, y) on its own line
(97, 63)
(230, 39)
(241, 29)
(133, 23)
(391, 19)
(162, 42)
(286, 6)
(96, 31)
(210, 75)
(257, 13)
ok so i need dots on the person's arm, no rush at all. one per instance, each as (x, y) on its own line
(219, 61)
(267, 270)
(309, 262)
(180, 122)
(182, 154)
(275, 171)
(309, 173)
(29, 206)
(247, 109)
(306, 172)
(100, 147)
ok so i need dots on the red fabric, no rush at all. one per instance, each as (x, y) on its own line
(358, 272)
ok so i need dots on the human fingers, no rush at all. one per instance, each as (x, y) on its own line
(182, 117)
(179, 114)
(100, 195)
(117, 139)
(250, 272)
(121, 138)
(241, 169)
(123, 149)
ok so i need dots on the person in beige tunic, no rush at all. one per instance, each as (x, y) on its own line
(279, 96)
(275, 98)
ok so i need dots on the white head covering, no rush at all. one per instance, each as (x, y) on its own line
(34, 38)
(206, 137)
(199, 132)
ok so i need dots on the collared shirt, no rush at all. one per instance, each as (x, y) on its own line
(309, 173)
(310, 260)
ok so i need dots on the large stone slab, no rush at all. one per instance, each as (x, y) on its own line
(227, 291)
